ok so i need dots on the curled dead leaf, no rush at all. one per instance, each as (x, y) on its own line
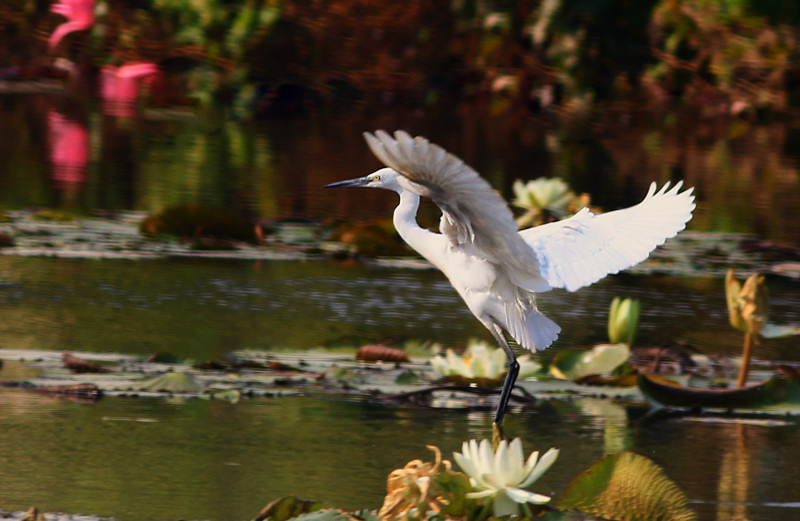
(421, 487)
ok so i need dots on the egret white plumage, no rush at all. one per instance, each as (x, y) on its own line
(497, 269)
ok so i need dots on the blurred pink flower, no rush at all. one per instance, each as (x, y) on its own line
(69, 150)
(119, 86)
(80, 16)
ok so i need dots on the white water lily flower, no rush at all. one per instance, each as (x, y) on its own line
(542, 193)
(503, 474)
(480, 361)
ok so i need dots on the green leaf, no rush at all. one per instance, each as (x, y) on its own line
(575, 363)
(407, 378)
(329, 514)
(627, 487)
(366, 515)
(171, 382)
(287, 507)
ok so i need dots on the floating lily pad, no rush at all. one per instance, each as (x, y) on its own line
(575, 363)
(330, 514)
(287, 507)
(407, 378)
(171, 383)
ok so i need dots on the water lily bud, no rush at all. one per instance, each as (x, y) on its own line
(623, 320)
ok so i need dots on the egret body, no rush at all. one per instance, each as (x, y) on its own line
(497, 269)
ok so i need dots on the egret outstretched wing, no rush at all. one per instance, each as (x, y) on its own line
(586, 247)
(471, 210)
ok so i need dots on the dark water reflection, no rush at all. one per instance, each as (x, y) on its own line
(62, 153)
(151, 459)
(201, 309)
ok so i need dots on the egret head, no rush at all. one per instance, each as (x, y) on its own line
(385, 178)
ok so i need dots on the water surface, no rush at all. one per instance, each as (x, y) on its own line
(201, 309)
(138, 459)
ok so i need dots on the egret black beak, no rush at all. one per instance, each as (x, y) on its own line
(361, 181)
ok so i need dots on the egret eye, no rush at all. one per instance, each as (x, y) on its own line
(376, 178)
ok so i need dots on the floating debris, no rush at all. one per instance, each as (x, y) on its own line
(381, 353)
(80, 366)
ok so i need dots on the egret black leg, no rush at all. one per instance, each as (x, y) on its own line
(511, 375)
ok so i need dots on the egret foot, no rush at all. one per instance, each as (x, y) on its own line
(498, 435)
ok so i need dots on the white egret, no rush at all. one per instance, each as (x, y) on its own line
(497, 269)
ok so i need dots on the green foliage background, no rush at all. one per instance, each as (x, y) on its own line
(725, 57)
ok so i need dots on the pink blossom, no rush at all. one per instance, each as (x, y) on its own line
(120, 86)
(79, 15)
(69, 150)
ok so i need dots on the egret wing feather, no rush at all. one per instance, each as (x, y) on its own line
(471, 210)
(584, 248)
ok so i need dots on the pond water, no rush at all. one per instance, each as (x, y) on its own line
(143, 459)
(215, 460)
(201, 309)
(154, 459)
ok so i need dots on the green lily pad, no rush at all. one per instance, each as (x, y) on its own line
(407, 378)
(627, 487)
(171, 383)
(575, 363)
(287, 507)
(343, 375)
(330, 514)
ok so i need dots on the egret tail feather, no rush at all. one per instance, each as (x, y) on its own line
(535, 332)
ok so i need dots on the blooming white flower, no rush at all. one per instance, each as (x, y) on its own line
(503, 474)
(480, 361)
(543, 193)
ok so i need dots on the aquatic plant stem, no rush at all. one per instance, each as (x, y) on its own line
(744, 370)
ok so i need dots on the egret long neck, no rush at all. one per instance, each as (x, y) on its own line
(405, 221)
(405, 215)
